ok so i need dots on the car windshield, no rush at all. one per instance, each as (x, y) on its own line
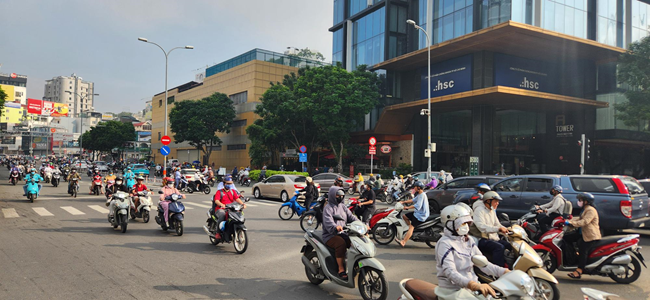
(100, 163)
(138, 167)
(188, 171)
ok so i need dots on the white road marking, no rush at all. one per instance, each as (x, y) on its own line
(199, 205)
(41, 211)
(264, 203)
(10, 213)
(73, 211)
(99, 208)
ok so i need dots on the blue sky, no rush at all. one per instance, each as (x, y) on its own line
(97, 40)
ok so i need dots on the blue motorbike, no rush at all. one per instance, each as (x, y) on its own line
(176, 214)
(292, 207)
(32, 190)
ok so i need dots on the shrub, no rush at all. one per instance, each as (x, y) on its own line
(255, 174)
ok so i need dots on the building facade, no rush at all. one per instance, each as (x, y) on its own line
(71, 90)
(244, 79)
(514, 83)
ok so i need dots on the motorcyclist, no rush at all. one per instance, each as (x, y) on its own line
(96, 176)
(454, 251)
(198, 181)
(419, 215)
(549, 211)
(108, 178)
(119, 186)
(222, 198)
(37, 178)
(433, 183)
(168, 190)
(366, 207)
(379, 182)
(129, 176)
(489, 227)
(408, 183)
(73, 174)
(359, 181)
(262, 174)
(138, 187)
(333, 235)
(588, 222)
(481, 189)
(14, 170)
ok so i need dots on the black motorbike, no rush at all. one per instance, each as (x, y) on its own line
(232, 229)
(15, 176)
(312, 219)
(176, 214)
(56, 178)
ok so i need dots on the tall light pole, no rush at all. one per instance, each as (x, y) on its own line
(428, 111)
(81, 127)
(166, 67)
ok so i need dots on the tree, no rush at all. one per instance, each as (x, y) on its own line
(197, 122)
(125, 114)
(3, 97)
(634, 70)
(309, 54)
(108, 135)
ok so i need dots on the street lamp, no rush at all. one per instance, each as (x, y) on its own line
(166, 65)
(81, 127)
(428, 111)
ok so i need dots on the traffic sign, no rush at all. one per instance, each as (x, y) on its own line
(302, 149)
(13, 75)
(372, 141)
(386, 149)
(372, 150)
(165, 140)
(302, 157)
(53, 130)
(164, 150)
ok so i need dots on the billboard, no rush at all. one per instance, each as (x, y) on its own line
(525, 73)
(47, 108)
(448, 77)
(107, 117)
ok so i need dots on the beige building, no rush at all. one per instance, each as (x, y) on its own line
(244, 79)
(57, 88)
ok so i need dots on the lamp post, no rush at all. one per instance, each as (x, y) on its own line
(81, 127)
(166, 67)
(428, 111)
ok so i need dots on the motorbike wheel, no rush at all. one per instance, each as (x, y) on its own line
(384, 234)
(13, 182)
(247, 183)
(124, 221)
(240, 241)
(632, 273)
(206, 190)
(189, 190)
(74, 193)
(31, 198)
(548, 290)
(437, 231)
(179, 227)
(285, 213)
(213, 241)
(351, 191)
(145, 216)
(548, 260)
(212, 183)
(390, 199)
(313, 278)
(132, 213)
(373, 285)
(308, 221)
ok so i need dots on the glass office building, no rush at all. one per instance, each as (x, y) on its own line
(515, 83)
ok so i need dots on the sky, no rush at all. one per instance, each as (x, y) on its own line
(97, 40)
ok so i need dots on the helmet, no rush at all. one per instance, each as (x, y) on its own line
(309, 179)
(586, 197)
(139, 178)
(340, 195)
(338, 180)
(119, 178)
(227, 179)
(372, 174)
(33, 170)
(170, 179)
(491, 195)
(401, 177)
(558, 189)
(419, 184)
(453, 216)
(378, 176)
(482, 187)
(409, 176)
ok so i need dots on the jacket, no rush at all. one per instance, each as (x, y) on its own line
(454, 261)
(332, 208)
(311, 193)
(487, 222)
(555, 206)
(588, 221)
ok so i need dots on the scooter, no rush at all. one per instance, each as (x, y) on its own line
(381, 193)
(32, 190)
(513, 285)
(15, 176)
(144, 208)
(384, 232)
(593, 294)
(74, 187)
(615, 256)
(176, 214)
(320, 263)
(313, 218)
(56, 178)
(120, 215)
(524, 258)
(109, 184)
(97, 184)
(232, 229)
(246, 181)
(292, 207)
(184, 186)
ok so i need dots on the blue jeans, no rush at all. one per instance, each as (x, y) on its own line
(496, 249)
(39, 188)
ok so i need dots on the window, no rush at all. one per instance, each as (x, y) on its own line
(539, 185)
(160, 103)
(494, 12)
(216, 148)
(456, 184)
(598, 185)
(472, 183)
(632, 185)
(339, 9)
(368, 39)
(451, 19)
(511, 185)
(640, 13)
(337, 47)
(237, 147)
(171, 99)
(159, 136)
(610, 22)
(239, 98)
(569, 17)
(300, 179)
(239, 123)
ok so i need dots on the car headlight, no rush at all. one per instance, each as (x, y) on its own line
(528, 284)
(360, 248)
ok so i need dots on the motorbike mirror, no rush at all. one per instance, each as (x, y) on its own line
(338, 218)
(160, 192)
(479, 261)
(247, 199)
(504, 217)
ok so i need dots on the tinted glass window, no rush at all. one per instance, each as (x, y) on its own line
(280, 179)
(272, 179)
(538, 185)
(598, 185)
(492, 181)
(633, 185)
(456, 184)
(300, 179)
(646, 185)
(511, 185)
(473, 182)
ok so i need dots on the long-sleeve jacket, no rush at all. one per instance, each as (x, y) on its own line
(331, 209)
(588, 221)
(555, 206)
(168, 191)
(73, 175)
(487, 222)
(454, 262)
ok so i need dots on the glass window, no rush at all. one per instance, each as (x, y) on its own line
(239, 98)
(459, 23)
(538, 185)
(456, 184)
(339, 8)
(599, 185)
(368, 47)
(511, 185)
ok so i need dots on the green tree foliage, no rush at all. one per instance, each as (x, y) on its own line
(125, 114)
(108, 135)
(197, 122)
(634, 70)
(3, 97)
(309, 54)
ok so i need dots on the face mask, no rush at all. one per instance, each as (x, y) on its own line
(580, 203)
(551, 192)
(463, 230)
(118, 182)
(170, 184)
(339, 200)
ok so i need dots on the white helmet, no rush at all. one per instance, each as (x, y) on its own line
(456, 215)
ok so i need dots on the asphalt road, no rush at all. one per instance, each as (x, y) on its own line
(64, 248)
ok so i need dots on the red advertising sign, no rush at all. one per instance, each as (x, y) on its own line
(165, 140)
(34, 106)
(47, 108)
(386, 149)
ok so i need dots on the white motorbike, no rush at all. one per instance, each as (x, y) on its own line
(384, 232)
(593, 294)
(144, 208)
(320, 263)
(514, 285)
(120, 215)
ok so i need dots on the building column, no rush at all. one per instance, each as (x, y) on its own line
(482, 136)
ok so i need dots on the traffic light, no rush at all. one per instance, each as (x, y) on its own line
(588, 149)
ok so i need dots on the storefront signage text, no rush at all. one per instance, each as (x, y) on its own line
(448, 77)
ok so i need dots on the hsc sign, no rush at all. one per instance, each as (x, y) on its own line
(448, 77)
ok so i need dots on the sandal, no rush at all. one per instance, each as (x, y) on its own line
(572, 275)
(343, 275)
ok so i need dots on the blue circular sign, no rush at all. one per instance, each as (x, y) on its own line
(164, 150)
(303, 149)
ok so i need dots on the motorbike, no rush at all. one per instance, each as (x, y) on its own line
(109, 184)
(144, 208)
(618, 257)
(120, 216)
(311, 219)
(15, 176)
(48, 177)
(97, 185)
(65, 173)
(246, 181)
(32, 190)
(429, 232)
(73, 188)
(524, 258)
(529, 222)
(176, 214)
(354, 188)
(203, 187)
(232, 229)
(593, 294)
(378, 215)
(184, 186)
(382, 194)
(513, 285)
(292, 207)
(56, 178)
(320, 263)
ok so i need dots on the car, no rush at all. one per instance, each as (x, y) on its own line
(422, 176)
(444, 194)
(102, 166)
(81, 165)
(140, 169)
(326, 180)
(280, 187)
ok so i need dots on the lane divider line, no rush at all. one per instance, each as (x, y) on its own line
(199, 205)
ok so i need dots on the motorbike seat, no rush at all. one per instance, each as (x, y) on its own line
(432, 216)
(607, 240)
(420, 289)
(319, 237)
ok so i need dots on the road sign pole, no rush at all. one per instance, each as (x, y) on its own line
(371, 157)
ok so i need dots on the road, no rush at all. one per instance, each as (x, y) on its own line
(64, 248)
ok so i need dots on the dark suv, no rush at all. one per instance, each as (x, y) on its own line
(444, 194)
(621, 201)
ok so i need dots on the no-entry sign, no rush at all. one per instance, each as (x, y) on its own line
(165, 140)
(372, 141)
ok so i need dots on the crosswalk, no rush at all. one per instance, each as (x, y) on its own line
(11, 213)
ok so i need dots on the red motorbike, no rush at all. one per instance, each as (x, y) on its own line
(614, 256)
(97, 184)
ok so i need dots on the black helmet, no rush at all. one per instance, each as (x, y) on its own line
(419, 184)
(482, 187)
(586, 197)
(119, 178)
(340, 195)
(338, 180)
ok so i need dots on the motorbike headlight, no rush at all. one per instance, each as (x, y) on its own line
(527, 284)
(360, 248)
(359, 227)
(175, 197)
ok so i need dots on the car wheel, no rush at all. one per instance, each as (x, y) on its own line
(257, 194)
(284, 196)
(434, 208)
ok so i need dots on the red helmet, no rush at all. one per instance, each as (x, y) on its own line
(169, 179)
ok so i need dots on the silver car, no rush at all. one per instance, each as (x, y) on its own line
(280, 187)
